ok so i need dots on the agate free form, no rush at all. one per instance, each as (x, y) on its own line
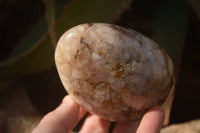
(113, 72)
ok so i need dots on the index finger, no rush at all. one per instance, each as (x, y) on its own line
(61, 120)
(152, 121)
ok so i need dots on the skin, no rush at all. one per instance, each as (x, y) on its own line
(65, 117)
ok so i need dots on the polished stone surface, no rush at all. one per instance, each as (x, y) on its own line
(113, 72)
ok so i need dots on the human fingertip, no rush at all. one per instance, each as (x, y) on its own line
(68, 100)
(62, 119)
(95, 124)
(159, 110)
(152, 120)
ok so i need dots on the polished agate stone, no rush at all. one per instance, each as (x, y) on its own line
(113, 72)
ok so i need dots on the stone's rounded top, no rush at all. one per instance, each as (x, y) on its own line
(113, 72)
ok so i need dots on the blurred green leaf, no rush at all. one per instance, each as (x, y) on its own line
(60, 7)
(39, 58)
(29, 57)
(27, 43)
(51, 16)
(36, 51)
(54, 10)
(195, 4)
(50, 11)
(90, 11)
(169, 25)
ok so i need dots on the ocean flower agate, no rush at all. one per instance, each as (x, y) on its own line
(113, 72)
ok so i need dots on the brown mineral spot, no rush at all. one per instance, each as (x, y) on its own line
(125, 89)
(84, 44)
(140, 42)
(158, 93)
(82, 40)
(75, 93)
(82, 47)
(117, 29)
(101, 53)
(108, 104)
(120, 30)
(90, 24)
(119, 70)
(78, 52)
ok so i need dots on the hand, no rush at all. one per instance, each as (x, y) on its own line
(66, 116)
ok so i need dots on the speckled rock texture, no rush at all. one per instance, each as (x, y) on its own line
(113, 72)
